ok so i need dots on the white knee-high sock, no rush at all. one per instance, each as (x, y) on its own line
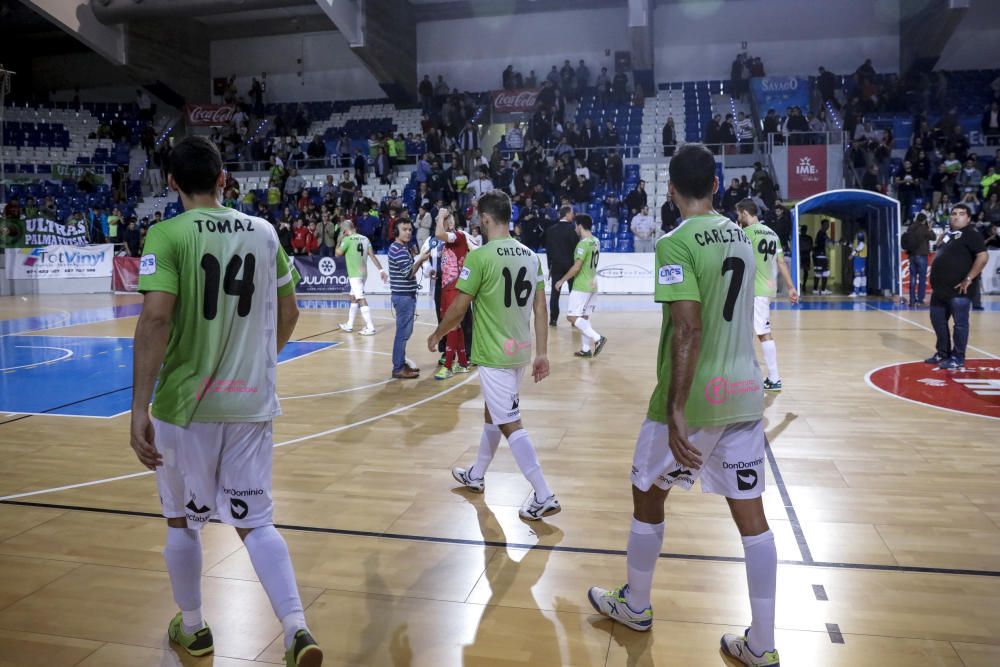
(488, 444)
(366, 313)
(586, 329)
(352, 315)
(762, 572)
(182, 554)
(771, 359)
(644, 544)
(527, 461)
(270, 559)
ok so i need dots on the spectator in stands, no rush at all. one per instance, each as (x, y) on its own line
(426, 92)
(327, 234)
(870, 181)
(644, 229)
(827, 84)
(669, 138)
(132, 237)
(316, 152)
(582, 190)
(514, 138)
(294, 186)
(582, 76)
(744, 132)
(732, 196)
(344, 149)
(480, 185)
(383, 167)
(636, 200)
(348, 190)
(990, 124)
(299, 237)
(670, 216)
(329, 187)
(991, 181)
(908, 187)
(619, 88)
(736, 74)
(970, 177)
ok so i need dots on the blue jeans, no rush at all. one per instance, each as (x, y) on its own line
(918, 278)
(406, 307)
(325, 251)
(956, 308)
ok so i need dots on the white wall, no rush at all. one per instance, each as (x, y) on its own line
(976, 41)
(472, 53)
(330, 69)
(699, 40)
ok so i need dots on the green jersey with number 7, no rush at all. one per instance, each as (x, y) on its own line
(227, 271)
(502, 277)
(709, 259)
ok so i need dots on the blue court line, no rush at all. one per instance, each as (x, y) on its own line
(59, 320)
(528, 547)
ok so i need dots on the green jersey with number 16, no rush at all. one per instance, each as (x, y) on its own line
(227, 271)
(709, 259)
(502, 277)
(355, 249)
(589, 251)
(767, 251)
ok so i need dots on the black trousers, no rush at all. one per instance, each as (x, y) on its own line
(556, 275)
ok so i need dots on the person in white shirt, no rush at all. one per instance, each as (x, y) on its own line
(479, 186)
(582, 170)
(515, 138)
(644, 229)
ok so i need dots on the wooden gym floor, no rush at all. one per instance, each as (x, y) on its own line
(886, 513)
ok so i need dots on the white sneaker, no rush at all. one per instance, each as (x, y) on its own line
(345, 327)
(411, 364)
(614, 605)
(534, 510)
(739, 649)
(367, 331)
(461, 475)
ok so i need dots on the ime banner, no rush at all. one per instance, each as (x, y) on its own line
(806, 171)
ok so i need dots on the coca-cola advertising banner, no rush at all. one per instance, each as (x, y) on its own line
(125, 276)
(515, 101)
(209, 114)
(806, 171)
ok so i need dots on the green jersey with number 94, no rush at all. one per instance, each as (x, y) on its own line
(502, 276)
(227, 271)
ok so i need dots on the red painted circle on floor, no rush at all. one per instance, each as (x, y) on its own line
(974, 390)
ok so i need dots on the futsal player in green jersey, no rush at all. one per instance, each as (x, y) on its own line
(705, 415)
(770, 260)
(219, 305)
(355, 248)
(504, 279)
(583, 296)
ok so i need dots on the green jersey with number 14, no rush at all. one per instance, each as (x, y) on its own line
(767, 253)
(502, 277)
(355, 249)
(227, 271)
(589, 251)
(709, 259)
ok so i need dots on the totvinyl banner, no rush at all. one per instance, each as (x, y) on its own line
(204, 115)
(60, 261)
(125, 276)
(806, 171)
(322, 275)
(780, 92)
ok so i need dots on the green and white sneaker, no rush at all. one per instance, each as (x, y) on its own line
(614, 605)
(583, 354)
(739, 649)
(443, 373)
(197, 644)
(599, 345)
(304, 651)
(459, 368)
(772, 386)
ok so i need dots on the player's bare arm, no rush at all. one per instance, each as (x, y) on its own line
(569, 275)
(151, 335)
(793, 294)
(452, 318)
(684, 350)
(288, 316)
(540, 367)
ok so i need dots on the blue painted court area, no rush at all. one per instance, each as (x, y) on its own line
(79, 376)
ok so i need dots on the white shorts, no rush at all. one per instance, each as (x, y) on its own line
(502, 393)
(582, 304)
(761, 315)
(732, 459)
(357, 287)
(216, 469)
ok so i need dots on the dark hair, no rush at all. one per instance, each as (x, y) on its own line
(692, 171)
(584, 221)
(564, 211)
(749, 206)
(395, 228)
(195, 164)
(968, 211)
(495, 204)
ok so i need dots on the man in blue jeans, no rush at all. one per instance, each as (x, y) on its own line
(960, 258)
(916, 242)
(402, 282)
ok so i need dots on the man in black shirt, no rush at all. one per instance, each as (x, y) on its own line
(821, 261)
(959, 260)
(560, 242)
